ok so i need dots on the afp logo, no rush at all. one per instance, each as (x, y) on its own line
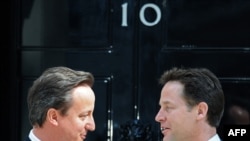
(237, 132)
(240, 132)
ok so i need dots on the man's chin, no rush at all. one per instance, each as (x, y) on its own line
(166, 138)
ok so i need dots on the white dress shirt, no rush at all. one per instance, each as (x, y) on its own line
(215, 138)
(32, 136)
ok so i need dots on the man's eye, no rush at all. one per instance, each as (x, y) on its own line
(168, 108)
(84, 116)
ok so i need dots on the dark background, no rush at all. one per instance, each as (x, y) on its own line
(126, 61)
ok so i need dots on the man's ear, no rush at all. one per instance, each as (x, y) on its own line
(52, 116)
(202, 109)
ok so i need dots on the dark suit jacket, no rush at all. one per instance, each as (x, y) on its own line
(27, 139)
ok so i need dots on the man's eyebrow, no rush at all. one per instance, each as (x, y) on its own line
(166, 102)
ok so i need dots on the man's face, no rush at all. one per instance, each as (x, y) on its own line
(79, 118)
(175, 118)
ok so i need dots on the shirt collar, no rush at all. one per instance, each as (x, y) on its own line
(32, 136)
(215, 138)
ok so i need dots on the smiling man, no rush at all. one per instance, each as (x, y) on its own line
(191, 105)
(61, 105)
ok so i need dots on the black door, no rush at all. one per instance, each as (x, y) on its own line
(127, 45)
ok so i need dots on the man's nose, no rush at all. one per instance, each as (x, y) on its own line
(91, 125)
(159, 116)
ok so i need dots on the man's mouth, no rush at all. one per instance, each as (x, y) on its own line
(83, 136)
(163, 128)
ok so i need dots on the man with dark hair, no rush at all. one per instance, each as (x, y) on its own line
(191, 105)
(61, 104)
